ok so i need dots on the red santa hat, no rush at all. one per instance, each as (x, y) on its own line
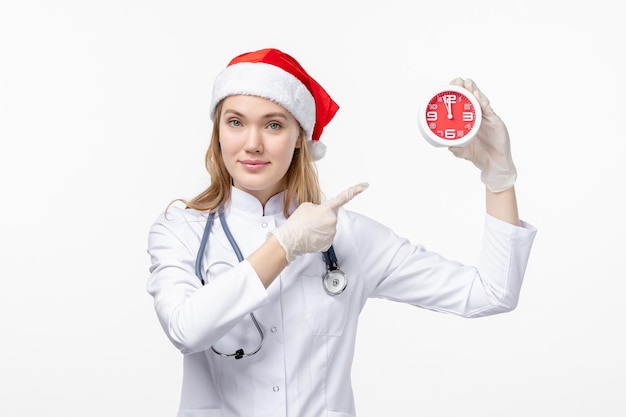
(274, 75)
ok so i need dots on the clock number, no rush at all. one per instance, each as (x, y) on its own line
(449, 134)
(431, 116)
(468, 116)
(449, 99)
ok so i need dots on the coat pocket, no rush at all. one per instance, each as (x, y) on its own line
(327, 314)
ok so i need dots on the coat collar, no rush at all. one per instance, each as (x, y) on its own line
(246, 203)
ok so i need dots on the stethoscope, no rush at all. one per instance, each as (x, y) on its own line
(334, 280)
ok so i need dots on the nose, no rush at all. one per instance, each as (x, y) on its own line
(254, 141)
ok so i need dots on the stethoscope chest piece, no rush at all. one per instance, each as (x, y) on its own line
(335, 281)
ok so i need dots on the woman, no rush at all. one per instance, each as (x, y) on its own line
(236, 275)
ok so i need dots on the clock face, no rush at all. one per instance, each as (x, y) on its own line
(451, 117)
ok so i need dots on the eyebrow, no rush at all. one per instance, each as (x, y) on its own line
(265, 116)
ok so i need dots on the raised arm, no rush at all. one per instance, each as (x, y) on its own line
(490, 151)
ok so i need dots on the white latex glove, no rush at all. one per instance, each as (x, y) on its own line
(490, 150)
(312, 227)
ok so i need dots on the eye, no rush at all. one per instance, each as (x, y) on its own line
(274, 126)
(234, 123)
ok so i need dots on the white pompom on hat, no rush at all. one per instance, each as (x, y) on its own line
(276, 76)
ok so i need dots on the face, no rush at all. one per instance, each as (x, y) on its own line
(257, 138)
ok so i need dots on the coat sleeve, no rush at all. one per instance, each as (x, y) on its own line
(193, 316)
(398, 270)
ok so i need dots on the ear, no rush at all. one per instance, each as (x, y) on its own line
(301, 138)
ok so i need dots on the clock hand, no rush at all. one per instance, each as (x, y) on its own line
(448, 101)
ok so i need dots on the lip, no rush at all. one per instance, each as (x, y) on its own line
(253, 164)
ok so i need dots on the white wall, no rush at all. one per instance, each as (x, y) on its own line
(103, 121)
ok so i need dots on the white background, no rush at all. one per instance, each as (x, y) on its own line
(104, 120)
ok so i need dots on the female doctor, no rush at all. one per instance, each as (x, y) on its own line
(247, 278)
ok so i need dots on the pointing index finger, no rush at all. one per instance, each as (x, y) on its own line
(346, 195)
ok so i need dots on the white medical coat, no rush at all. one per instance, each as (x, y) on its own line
(304, 366)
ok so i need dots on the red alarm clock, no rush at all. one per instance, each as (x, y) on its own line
(450, 116)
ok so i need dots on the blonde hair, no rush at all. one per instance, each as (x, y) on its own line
(301, 180)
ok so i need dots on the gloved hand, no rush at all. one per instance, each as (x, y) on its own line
(490, 150)
(311, 227)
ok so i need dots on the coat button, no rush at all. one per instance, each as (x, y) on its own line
(273, 329)
(264, 225)
(276, 388)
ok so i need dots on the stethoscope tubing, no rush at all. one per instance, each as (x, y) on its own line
(329, 257)
(239, 353)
